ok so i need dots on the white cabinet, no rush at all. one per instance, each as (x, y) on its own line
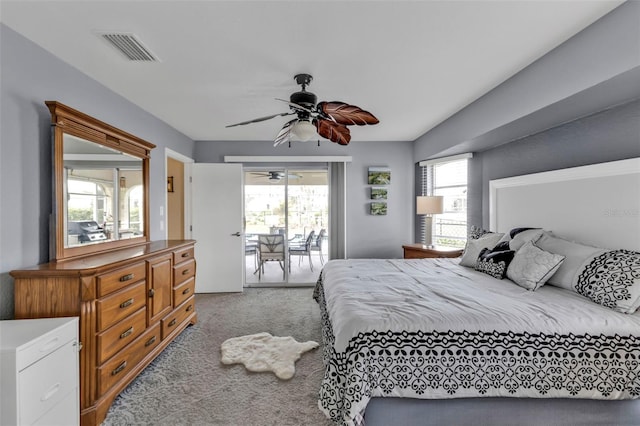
(39, 372)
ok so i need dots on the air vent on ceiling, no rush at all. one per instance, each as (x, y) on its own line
(130, 46)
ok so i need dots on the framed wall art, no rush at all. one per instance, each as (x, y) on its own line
(379, 209)
(379, 192)
(379, 176)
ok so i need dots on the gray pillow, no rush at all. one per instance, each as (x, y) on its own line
(577, 256)
(523, 237)
(531, 267)
(474, 247)
(516, 238)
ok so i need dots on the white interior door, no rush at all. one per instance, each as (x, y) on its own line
(217, 227)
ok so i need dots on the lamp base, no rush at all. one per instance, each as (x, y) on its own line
(428, 231)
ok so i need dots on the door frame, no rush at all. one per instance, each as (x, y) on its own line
(187, 161)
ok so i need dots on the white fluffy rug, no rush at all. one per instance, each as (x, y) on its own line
(264, 352)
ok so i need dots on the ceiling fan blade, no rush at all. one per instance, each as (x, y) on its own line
(335, 132)
(285, 133)
(296, 106)
(256, 120)
(346, 114)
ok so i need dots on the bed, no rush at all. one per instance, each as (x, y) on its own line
(431, 341)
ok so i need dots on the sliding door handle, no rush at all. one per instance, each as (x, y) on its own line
(236, 234)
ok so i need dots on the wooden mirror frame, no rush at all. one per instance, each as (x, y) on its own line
(66, 120)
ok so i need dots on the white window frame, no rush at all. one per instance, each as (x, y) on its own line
(429, 186)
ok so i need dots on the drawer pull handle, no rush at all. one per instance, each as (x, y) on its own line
(185, 254)
(186, 290)
(127, 277)
(127, 333)
(150, 341)
(49, 345)
(52, 390)
(119, 368)
(189, 308)
(186, 271)
(127, 303)
(152, 292)
(172, 322)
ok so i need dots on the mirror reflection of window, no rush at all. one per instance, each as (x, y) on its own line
(104, 193)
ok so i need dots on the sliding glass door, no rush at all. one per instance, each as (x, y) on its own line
(286, 232)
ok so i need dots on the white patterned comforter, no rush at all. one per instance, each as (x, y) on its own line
(429, 328)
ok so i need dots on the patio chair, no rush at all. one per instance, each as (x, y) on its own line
(317, 245)
(270, 248)
(252, 250)
(302, 250)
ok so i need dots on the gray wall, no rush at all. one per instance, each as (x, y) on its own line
(608, 48)
(31, 75)
(367, 236)
(609, 135)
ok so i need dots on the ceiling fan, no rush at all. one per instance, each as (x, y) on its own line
(275, 176)
(327, 119)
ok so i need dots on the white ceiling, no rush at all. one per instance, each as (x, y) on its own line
(412, 64)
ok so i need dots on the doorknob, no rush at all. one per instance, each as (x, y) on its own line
(236, 234)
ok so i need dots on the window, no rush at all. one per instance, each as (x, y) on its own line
(447, 177)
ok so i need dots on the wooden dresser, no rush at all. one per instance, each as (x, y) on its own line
(132, 303)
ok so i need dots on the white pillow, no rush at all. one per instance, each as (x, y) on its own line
(531, 267)
(577, 256)
(474, 247)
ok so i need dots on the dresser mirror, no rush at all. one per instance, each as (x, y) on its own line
(100, 185)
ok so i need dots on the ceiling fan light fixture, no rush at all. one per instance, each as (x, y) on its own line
(303, 130)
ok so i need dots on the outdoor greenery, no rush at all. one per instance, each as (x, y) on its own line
(80, 213)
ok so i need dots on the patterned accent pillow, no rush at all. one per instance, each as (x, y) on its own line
(531, 267)
(612, 279)
(476, 232)
(474, 247)
(494, 262)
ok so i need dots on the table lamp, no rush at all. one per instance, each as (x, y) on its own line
(428, 206)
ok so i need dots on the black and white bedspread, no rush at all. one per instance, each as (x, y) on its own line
(430, 328)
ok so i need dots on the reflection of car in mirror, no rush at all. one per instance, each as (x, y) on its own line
(87, 231)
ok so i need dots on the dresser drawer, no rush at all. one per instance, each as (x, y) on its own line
(184, 271)
(184, 291)
(46, 343)
(66, 413)
(121, 334)
(182, 312)
(119, 305)
(183, 255)
(108, 283)
(47, 382)
(119, 366)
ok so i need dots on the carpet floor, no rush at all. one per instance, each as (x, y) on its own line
(188, 385)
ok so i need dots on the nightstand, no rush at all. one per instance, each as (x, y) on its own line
(420, 251)
(40, 368)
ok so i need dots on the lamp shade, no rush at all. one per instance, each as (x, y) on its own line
(429, 204)
(303, 130)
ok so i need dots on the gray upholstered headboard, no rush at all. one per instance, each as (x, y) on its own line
(597, 204)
